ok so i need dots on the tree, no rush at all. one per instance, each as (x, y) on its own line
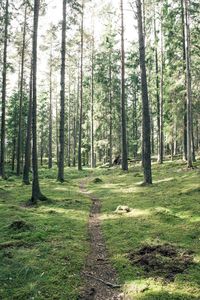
(62, 99)
(123, 100)
(36, 193)
(188, 87)
(145, 102)
(160, 133)
(3, 105)
(92, 105)
(81, 95)
(19, 142)
(50, 112)
(27, 161)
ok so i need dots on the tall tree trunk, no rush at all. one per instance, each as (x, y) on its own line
(41, 146)
(135, 125)
(62, 99)
(188, 87)
(76, 121)
(69, 126)
(27, 162)
(3, 104)
(145, 102)
(57, 134)
(36, 193)
(110, 112)
(19, 140)
(123, 100)
(92, 108)
(50, 114)
(161, 135)
(13, 155)
(81, 97)
(157, 87)
(185, 95)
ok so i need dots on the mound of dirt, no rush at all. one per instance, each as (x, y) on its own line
(20, 225)
(97, 180)
(161, 260)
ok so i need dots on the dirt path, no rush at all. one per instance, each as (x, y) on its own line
(99, 276)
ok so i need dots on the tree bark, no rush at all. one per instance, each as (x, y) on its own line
(19, 140)
(157, 87)
(69, 126)
(188, 87)
(81, 97)
(27, 162)
(185, 95)
(3, 105)
(36, 193)
(161, 134)
(145, 102)
(123, 109)
(92, 108)
(62, 99)
(50, 113)
(110, 112)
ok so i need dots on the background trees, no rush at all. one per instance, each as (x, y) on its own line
(85, 127)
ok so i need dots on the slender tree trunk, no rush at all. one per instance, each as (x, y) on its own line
(145, 102)
(161, 135)
(50, 114)
(62, 99)
(110, 112)
(57, 133)
(135, 125)
(193, 143)
(27, 162)
(76, 118)
(3, 103)
(36, 193)
(81, 97)
(19, 140)
(152, 129)
(41, 146)
(92, 107)
(189, 89)
(123, 100)
(157, 87)
(13, 154)
(185, 95)
(69, 127)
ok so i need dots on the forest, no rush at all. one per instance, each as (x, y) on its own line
(100, 149)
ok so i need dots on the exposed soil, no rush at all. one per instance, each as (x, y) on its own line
(165, 261)
(98, 274)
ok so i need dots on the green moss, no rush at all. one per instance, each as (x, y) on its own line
(166, 212)
(44, 261)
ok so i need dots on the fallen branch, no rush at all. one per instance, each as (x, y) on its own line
(114, 286)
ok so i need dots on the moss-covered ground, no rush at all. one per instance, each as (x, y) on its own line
(166, 213)
(43, 259)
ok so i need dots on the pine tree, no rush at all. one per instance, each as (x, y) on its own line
(145, 102)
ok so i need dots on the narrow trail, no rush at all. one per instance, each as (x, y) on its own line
(99, 276)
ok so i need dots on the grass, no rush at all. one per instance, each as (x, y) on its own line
(44, 258)
(165, 213)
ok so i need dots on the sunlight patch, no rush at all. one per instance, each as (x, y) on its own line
(134, 213)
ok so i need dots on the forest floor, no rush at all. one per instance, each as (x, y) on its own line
(152, 245)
